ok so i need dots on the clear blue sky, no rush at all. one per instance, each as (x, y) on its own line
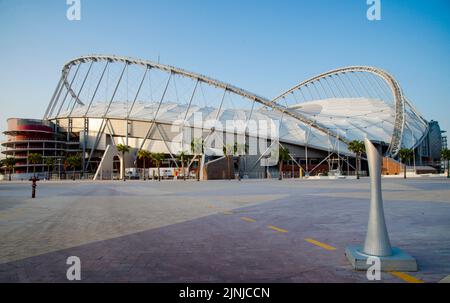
(262, 46)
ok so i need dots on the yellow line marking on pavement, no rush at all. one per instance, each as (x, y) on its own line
(248, 219)
(320, 244)
(210, 206)
(405, 277)
(280, 230)
(227, 213)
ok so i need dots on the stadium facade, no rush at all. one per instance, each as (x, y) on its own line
(103, 101)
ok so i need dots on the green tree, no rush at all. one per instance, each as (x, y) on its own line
(445, 153)
(228, 151)
(357, 147)
(183, 157)
(49, 162)
(283, 155)
(239, 150)
(144, 155)
(34, 159)
(405, 155)
(73, 162)
(158, 158)
(9, 163)
(122, 149)
(197, 149)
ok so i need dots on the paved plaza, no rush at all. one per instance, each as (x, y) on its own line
(216, 231)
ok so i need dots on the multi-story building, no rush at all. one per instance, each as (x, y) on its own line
(428, 152)
(27, 136)
(444, 146)
(444, 139)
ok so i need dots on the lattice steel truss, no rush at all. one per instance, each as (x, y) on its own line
(85, 78)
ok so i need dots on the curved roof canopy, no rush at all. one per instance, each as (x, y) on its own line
(326, 111)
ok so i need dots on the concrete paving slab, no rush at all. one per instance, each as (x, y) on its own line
(183, 231)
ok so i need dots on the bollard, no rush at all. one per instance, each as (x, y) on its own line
(33, 186)
(377, 243)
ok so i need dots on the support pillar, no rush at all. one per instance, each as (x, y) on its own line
(85, 137)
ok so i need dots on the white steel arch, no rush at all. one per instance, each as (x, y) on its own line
(403, 108)
(178, 71)
(397, 93)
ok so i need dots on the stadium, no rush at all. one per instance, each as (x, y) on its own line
(225, 131)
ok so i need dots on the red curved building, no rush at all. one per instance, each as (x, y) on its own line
(26, 136)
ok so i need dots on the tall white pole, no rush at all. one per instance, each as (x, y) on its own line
(377, 239)
(377, 243)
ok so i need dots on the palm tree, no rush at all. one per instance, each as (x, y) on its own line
(358, 148)
(182, 157)
(143, 155)
(122, 148)
(9, 163)
(239, 149)
(404, 154)
(158, 158)
(34, 159)
(73, 162)
(227, 152)
(445, 153)
(49, 162)
(197, 149)
(283, 155)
